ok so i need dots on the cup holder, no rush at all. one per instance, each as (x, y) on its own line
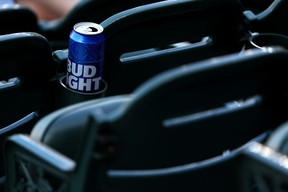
(64, 96)
(266, 40)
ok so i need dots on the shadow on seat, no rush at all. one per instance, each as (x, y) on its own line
(181, 116)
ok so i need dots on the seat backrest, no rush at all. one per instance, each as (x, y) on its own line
(219, 173)
(190, 103)
(25, 71)
(158, 26)
(26, 68)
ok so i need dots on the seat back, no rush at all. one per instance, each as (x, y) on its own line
(26, 68)
(25, 71)
(219, 173)
(190, 103)
(159, 25)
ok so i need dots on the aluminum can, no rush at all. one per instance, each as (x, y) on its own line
(85, 57)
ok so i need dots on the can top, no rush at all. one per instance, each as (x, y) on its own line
(88, 28)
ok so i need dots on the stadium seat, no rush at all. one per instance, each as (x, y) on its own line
(25, 71)
(181, 116)
(26, 68)
(213, 27)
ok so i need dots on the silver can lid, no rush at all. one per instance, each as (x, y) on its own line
(88, 28)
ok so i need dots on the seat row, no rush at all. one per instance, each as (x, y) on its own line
(173, 117)
(180, 130)
(265, 16)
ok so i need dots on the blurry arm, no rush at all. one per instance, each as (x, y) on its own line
(49, 9)
(2, 2)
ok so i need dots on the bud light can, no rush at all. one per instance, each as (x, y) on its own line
(85, 57)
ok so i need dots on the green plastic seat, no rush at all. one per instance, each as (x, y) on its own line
(184, 115)
(140, 42)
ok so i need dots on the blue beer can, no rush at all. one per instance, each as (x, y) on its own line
(85, 57)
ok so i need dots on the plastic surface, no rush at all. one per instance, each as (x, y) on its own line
(271, 20)
(26, 56)
(158, 26)
(26, 69)
(132, 136)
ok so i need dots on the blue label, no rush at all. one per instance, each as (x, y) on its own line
(84, 78)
